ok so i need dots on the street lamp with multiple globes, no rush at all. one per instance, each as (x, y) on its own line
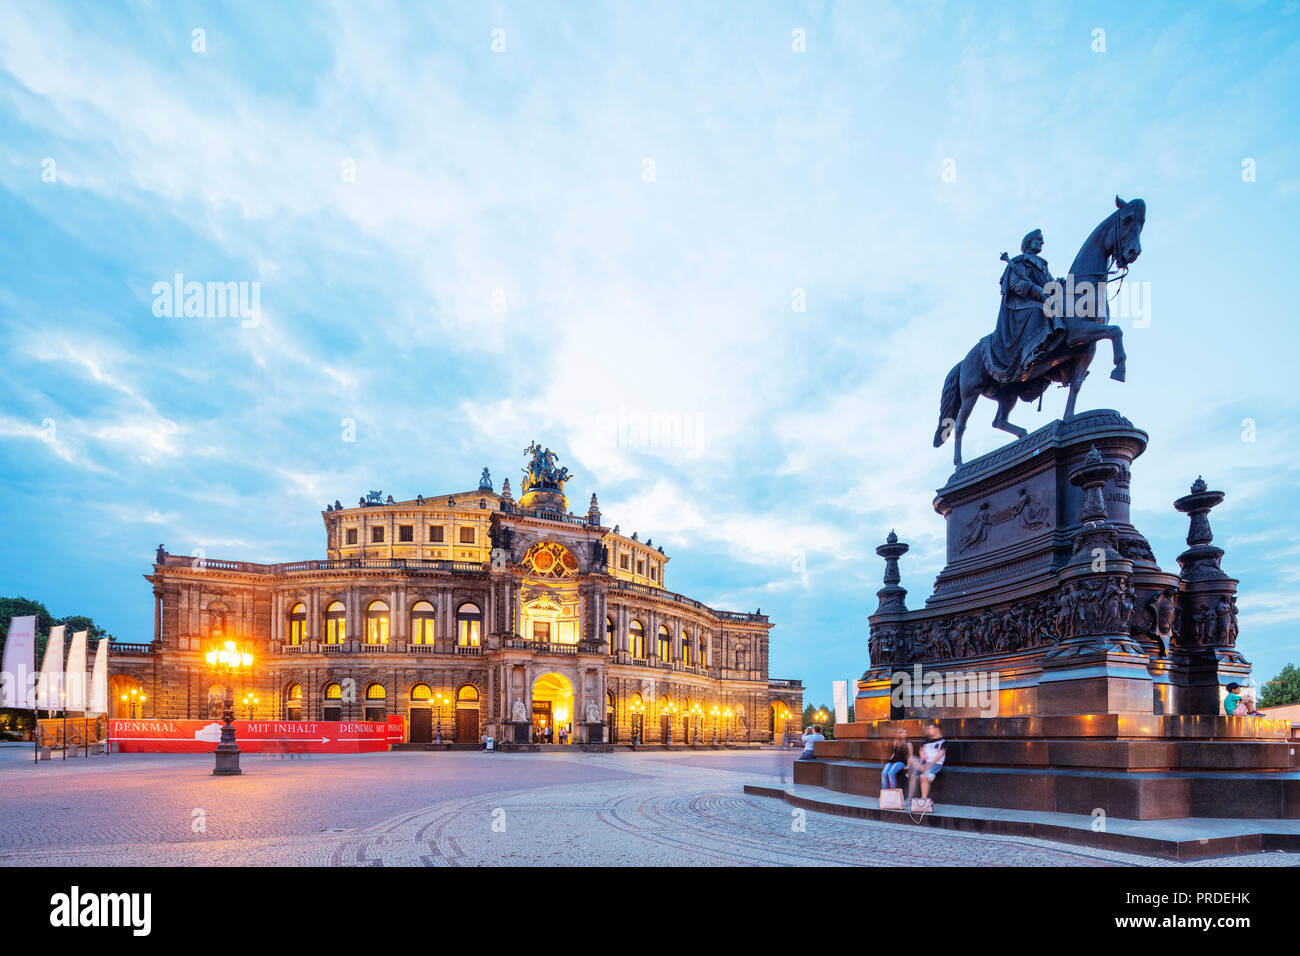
(715, 713)
(727, 713)
(133, 700)
(637, 709)
(671, 711)
(228, 660)
(439, 699)
(698, 713)
(251, 701)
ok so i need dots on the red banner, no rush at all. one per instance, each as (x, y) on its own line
(159, 735)
(396, 728)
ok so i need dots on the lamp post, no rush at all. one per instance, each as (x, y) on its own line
(637, 709)
(228, 660)
(715, 725)
(671, 710)
(697, 712)
(250, 701)
(134, 699)
(728, 713)
(439, 699)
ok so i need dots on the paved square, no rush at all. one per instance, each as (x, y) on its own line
(466, 809)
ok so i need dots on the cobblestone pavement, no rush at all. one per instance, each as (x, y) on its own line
(466, 809)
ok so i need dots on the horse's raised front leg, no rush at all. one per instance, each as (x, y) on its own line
(1006, 402)
(1087, 332)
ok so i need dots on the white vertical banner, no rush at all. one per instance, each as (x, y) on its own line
(98, 703)
(75, 680)
(18, 672)
(840, 689)
(49, 686)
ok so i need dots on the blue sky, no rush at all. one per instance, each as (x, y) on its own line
(612, 217)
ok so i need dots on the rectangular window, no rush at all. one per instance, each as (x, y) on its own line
(377, 534)
(640, 568)
(422, 630)
(542, 631)
(654, 573)
(352, 535)
(466, 535)
(622, 562)
(435, 534)
(468, 632)
(406, 532)
(335, 630)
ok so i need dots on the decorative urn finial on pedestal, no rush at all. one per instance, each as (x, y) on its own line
(892, 597)
(1208, 622)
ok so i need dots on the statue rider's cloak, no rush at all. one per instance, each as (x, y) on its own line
(1024, 332)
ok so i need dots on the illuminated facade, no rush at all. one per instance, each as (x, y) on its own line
(467, 613)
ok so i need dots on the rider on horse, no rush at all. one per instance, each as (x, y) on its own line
(1025, 330)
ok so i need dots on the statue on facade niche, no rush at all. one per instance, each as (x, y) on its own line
(518, 712)
(593, 715)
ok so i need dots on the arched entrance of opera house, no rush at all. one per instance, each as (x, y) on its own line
(552, 708)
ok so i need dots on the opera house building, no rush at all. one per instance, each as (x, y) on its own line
(466, 613)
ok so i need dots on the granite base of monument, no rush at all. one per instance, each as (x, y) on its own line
(1071, 672)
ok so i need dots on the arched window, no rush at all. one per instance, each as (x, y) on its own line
(297, 624)
(665, 644)
(332, 708)
(609, 632)
(467, 693)
(421, 693)
(636, 639)
(293, 702)
(336, 623)
(377, 623)
(422, 623)
(703, 642)
(376, 695)
(688, 655)
(469, 625)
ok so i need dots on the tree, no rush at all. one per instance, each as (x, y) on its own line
(1282, 690)
(22, 607)
(810, 717)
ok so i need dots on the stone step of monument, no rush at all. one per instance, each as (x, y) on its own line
(1176, 839)
(1085, 753)
(1134, 795)
(1116, 725)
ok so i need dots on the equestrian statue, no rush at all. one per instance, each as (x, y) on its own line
(1047, 329)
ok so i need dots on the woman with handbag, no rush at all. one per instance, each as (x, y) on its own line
(891, 797)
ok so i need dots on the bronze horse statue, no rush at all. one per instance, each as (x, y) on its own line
(1081, 299)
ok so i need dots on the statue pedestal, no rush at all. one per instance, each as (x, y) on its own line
(595, 733)
(520, 731)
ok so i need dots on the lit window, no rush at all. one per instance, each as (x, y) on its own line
(469, 625)
(377, 623)
(333, 692)
(636, 639)
(421, 692)
(336, 623)
(376, 692)
(298, 624)
(422, 623)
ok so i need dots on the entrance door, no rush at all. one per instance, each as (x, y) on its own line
(421, 725)
(686, 730)
(665, 728)
(542, 720)
(332, 713)
(466, 726)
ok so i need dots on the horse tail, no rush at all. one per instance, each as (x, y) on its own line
(949, 405)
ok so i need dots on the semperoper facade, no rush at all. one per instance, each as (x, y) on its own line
(468, 613)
